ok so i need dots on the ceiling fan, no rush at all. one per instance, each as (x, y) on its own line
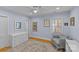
(35, 9)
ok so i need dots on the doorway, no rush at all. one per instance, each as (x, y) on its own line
(4, 36)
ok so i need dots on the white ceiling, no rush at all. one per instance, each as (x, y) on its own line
(28, 10)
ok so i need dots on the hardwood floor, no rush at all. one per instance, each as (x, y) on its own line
(32, 45)
(4, 49)
(41, 40)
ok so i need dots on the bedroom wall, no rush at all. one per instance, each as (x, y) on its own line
(12, 17)
(46, 32)
(74, 30)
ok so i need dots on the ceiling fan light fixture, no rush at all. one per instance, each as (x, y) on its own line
(57, 8)
(35, 11)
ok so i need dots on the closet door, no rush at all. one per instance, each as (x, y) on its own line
(3, 31)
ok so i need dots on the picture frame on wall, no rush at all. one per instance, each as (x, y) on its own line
(18, 25)
(72, 21)
(34, 26)
(65, 24)
(46, 23)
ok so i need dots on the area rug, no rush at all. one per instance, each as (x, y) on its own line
(33, 46)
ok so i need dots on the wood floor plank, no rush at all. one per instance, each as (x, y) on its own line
(4, 49)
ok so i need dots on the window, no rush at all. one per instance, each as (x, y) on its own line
(57, 25)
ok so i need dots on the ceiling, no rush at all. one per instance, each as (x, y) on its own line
(42, 10)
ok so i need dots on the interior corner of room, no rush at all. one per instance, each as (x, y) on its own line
(22, 26)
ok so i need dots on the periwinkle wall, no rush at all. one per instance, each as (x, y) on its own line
(46, 32)
(12, 18)
(74, 30)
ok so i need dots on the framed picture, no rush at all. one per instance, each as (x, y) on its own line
(34, 26)
(46, 23)
(65, 24)
(72, 21)
(18, 25)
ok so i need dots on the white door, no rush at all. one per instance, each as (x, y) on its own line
(3, 32)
